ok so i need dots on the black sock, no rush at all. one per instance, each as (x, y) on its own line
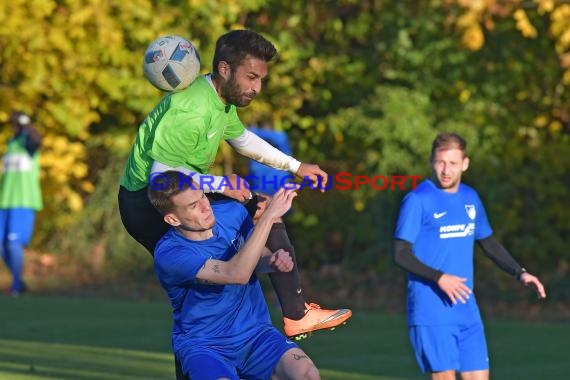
(287, 285)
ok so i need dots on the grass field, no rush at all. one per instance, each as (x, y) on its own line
(91, 339)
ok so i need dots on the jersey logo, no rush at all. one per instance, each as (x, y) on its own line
(471, 212)
(456, 231)
(439, 215)
(238, 241)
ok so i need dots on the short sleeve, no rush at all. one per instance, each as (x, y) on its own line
(409, 219)
(175, 266)
(482, 227)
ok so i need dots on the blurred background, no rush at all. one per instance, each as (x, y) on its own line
(361, 86)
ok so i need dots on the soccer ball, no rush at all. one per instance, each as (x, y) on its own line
(171, 63)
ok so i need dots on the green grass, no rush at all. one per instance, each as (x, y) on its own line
(90, 339)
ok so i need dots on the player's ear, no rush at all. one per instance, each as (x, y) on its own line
(224, 69)
(172, 220)
(465, 163)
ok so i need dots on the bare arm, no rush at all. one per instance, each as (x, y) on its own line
(239, 268)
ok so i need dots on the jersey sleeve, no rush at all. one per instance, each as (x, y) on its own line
(482, 227)
(235, 128)
(410, 219)
(177, 138)
(177, 266)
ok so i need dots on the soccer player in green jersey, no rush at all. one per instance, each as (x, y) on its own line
(183, 133)
(20, 195)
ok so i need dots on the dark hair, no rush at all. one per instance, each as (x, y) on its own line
(234, 46)
(448, 141)
(164, 186)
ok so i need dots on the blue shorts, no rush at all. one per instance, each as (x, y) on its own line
(256, 359)
(461, 348)
(16, 224)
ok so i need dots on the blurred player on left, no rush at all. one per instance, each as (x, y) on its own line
(20, 195)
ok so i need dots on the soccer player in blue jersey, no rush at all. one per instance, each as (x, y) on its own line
(438, 224)
(206, 264)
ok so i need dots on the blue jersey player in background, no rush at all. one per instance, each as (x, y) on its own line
(206, 264)
(438, 224)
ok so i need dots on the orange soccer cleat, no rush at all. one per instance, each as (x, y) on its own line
(315, 319)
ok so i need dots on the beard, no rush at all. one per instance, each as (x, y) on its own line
(452, 182)
(233, 94)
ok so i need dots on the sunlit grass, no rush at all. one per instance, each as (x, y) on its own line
(94, 339)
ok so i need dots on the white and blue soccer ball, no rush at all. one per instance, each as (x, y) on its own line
(171, 63)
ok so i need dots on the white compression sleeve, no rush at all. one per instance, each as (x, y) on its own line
(207, 182)
(254, 147)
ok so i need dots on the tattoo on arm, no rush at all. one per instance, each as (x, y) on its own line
(299, 357)
(216, 268)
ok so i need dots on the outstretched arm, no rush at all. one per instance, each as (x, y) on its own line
(254, 147)
(504, 260)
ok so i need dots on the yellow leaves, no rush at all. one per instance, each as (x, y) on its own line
(359, 205)
(470, 25)
(473, 37)
(560, 27)
(524, 24)
(566, 78)
(555, 126)
(58, 39)
(545, 6)
(464, 96)
(475, 5)
(63, 165)
(541, 121)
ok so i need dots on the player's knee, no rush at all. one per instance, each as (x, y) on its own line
(308, 371)
(14, 243)
(312, 373)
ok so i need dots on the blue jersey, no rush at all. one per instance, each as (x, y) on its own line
(210, 315)
(442, 227)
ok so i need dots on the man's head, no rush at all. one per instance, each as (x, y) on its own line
(448, 160)
(240, 64)
(19, 121)
(181, 203)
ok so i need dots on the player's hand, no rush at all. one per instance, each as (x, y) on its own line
(454, 287)
(534, 283)
(280, 203)
(281, 261)
(237, 189)
(315, 174)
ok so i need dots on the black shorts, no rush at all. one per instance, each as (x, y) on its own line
(140, 218)
(145, 224)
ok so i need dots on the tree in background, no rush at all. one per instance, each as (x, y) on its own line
(360, 86)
